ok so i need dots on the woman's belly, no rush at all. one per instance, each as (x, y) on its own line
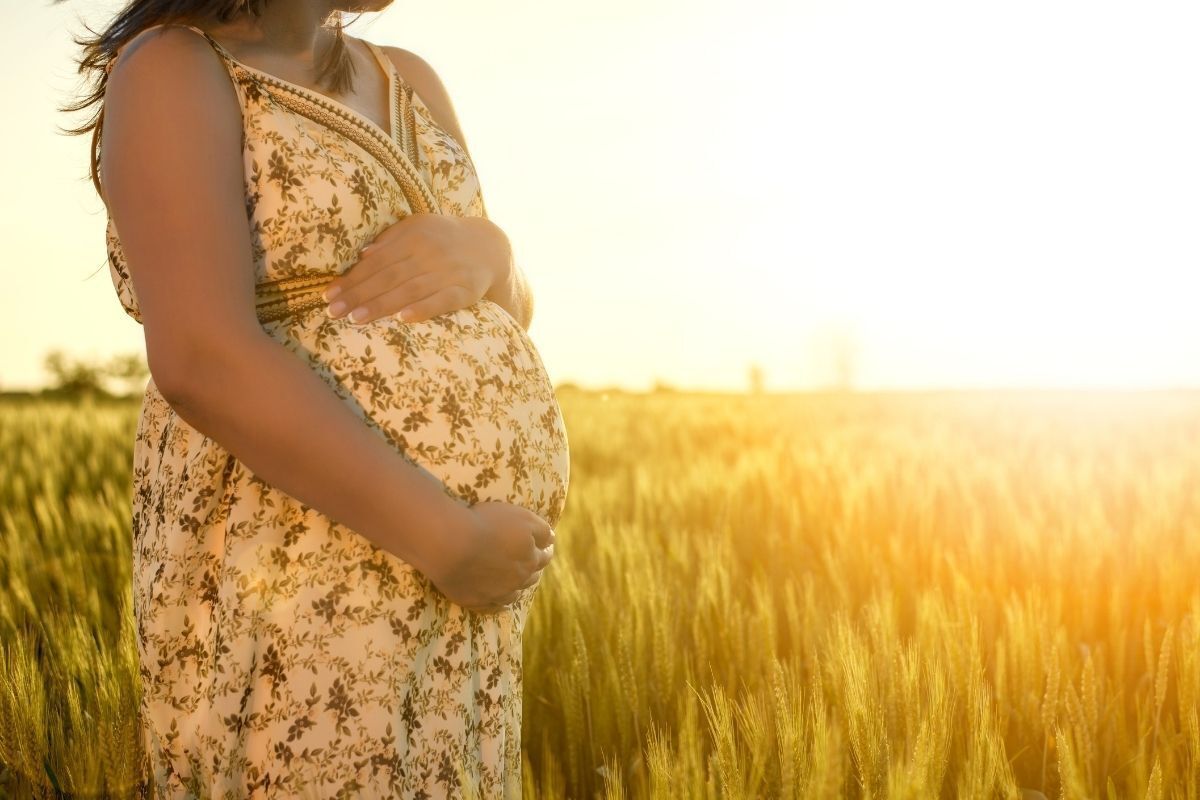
(465, 395)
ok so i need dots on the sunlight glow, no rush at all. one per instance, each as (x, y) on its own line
(976, 194)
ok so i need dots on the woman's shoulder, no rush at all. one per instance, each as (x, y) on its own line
(177, 65)
(177, 47)
(194, 104)
(178, 68)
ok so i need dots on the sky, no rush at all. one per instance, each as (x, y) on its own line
(957, 194)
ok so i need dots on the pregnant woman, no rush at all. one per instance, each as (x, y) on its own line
(339, 520)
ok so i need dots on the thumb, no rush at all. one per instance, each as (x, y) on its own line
(543, 536)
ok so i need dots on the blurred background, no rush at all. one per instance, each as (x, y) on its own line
(870, 592)
(787, 195)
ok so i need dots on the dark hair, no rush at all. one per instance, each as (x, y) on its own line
(334, 69)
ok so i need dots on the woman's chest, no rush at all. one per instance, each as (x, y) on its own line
(322, 181)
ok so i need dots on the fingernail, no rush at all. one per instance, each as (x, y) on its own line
(336, 308)
(332, 292)
(405, 314)
(358, 314)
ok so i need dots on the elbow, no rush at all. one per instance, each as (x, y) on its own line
(187, 371)
(171, 385)
(174, 373)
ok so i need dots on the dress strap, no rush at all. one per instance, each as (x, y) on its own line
(215, 44)
(220, 48)
(386, 63)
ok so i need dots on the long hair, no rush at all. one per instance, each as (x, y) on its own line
(334, 69)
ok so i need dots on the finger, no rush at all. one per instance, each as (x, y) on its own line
(543, 536)
(395, 235)
(533, 579)
(500, 604)
(443, 301)
(536, 560)
(366, 281)
(390, 301)
(406, 237)
(366, 301)
(483, 607)
(371, 258)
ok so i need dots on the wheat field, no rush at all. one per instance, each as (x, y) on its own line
(976, 595)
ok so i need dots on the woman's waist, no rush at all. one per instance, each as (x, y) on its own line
(281, 298)
(289, 299)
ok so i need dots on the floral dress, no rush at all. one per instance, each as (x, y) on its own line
(281, 653)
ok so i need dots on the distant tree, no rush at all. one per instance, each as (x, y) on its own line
(72, 376)
(78, 376)
(756, 379)
(130, 369)
(662, 386)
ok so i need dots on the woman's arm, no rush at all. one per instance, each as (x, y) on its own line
(172, 174)
(510, 290)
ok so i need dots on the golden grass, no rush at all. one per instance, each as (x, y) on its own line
(819, 596)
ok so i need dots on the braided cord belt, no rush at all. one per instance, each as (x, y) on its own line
(284, 297)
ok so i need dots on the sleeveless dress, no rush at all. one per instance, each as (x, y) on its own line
(281, 653)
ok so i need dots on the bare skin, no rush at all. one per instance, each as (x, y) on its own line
(172, 172)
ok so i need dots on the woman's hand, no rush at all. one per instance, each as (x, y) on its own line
(422, 266)
(487, 566)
